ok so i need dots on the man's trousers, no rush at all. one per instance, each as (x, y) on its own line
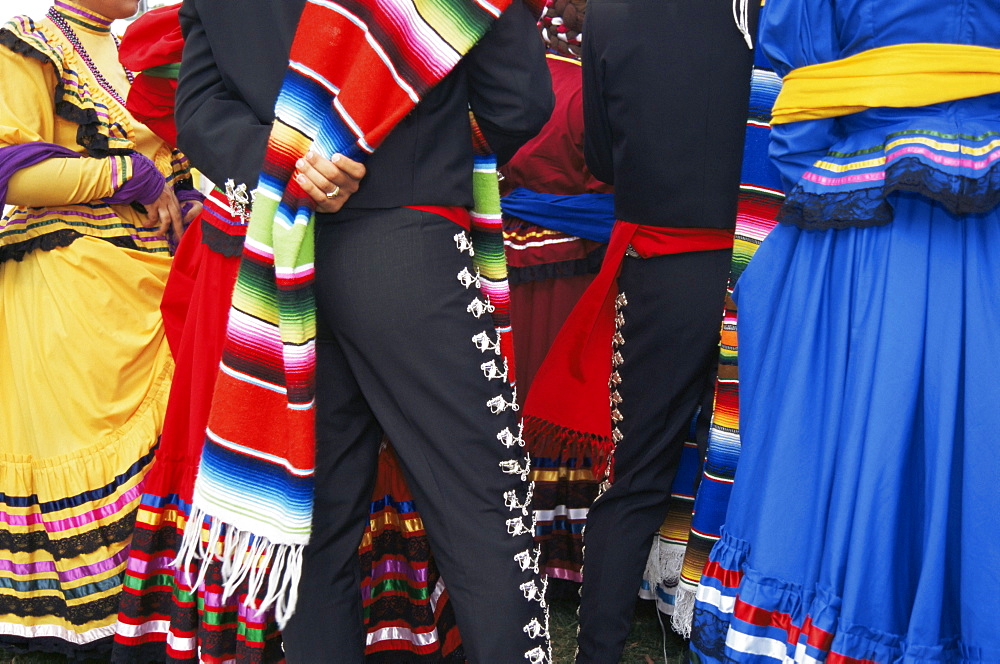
(670, 318)
(400, 354)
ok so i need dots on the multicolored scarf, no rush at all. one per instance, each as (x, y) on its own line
(356, 68)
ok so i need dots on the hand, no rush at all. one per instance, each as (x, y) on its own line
(319, 177)
(165, 213)
(193, 212)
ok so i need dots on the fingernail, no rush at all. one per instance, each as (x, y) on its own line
(309, 155)
(335, 158)
(301, 178)
(301, 163)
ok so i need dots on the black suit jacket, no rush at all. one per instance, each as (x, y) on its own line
(235, 55)
(666, 85)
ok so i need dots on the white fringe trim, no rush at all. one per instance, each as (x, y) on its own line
(663, 567)
(244, 557)
(683, 612)
(741, 10)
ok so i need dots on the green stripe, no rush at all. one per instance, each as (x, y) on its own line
(400, 586)
(86, 24)
(171, 70)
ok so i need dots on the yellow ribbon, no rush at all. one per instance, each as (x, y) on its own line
(900, 76)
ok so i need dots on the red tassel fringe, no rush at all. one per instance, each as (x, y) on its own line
(543, 438)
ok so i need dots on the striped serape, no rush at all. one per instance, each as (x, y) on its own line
(356, 68)
(759, 200)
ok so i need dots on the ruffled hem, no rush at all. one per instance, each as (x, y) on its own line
(741, 613)
(23, 37)
(131, 441)
(102, 486)
(854, 188)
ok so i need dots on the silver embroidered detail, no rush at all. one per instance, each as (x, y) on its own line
(522, 521)
(512, 502)
(509, 439)
(533, 629)
(467, 279)
(514, 467)
(240, 200)
(479, 307)
(492, 371)
(615, 380)
(463, 243)
(532, 591)
(516, 527)
(536, 656)
(484, 343)
(528, 559)
(498, 404)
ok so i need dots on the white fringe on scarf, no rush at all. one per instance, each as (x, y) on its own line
(244, 557)
(683, 616)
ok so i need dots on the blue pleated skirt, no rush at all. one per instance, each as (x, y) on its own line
(864, 523)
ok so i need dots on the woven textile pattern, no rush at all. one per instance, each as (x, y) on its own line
(256, 470)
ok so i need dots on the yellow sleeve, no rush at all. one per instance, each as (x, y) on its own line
(27, 89)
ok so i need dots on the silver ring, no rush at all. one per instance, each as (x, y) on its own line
(333, 194)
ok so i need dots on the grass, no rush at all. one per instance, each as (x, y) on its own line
(645, 643)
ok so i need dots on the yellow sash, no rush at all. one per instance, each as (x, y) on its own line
(904, 75)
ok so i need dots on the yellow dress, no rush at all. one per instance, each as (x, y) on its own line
(84, 364)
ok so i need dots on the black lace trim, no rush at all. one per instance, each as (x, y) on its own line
(590, 264)
(53, 605)
(709, 636)
(68, 547)
(220, 241)
(863, 208)
(56, 240)
(18, 250)
(88, 134)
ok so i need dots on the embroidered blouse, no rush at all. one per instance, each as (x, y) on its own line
(48, 94)
(842, 171)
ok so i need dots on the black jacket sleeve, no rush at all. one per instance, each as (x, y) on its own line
(510, 88)
(598, 137)
(235, 55)
(666, 85)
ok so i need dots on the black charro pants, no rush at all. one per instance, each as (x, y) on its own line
(396, 355)
(669, 355)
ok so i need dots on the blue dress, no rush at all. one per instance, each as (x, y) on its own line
(864, 523)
